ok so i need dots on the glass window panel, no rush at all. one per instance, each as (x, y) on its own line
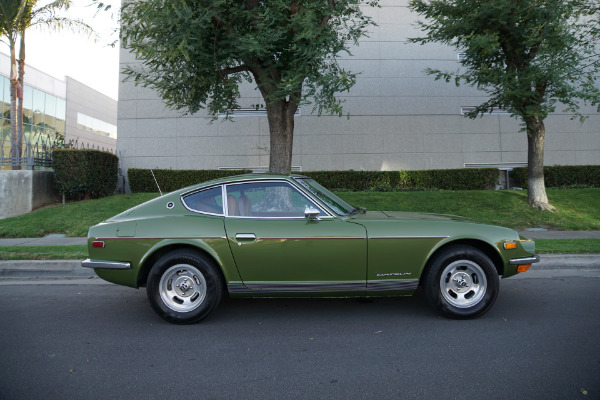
(39, 101)
(207, 201)
(50, 111)
(5, 98)
(267, 200)
(27, 105)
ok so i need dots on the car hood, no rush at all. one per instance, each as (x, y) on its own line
(409, 216)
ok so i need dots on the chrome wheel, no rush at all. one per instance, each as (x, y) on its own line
(182, 288)
(463, 283)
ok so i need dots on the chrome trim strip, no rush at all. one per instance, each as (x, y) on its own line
(163, 238)
(295, 287)
(102, 264)
(318, 287)
(388, 285)
(409, 237)
(525, 260)
(312, 237)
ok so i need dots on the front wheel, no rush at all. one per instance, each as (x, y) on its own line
(461, 282)
(184, 287)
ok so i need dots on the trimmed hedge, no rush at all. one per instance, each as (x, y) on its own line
(140, 180)
(563, 176)
(87, 173)
(385, 181)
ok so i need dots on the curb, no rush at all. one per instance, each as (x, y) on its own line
(44, 269)
(568, 261)
(72, 268)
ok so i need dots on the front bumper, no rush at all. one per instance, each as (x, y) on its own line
(525, 260)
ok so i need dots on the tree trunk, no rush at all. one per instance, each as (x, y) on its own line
(20, 89)
(536, 136)
(281, 128)
(15, 155)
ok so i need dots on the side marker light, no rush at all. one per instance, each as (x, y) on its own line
(510, 245)
(523, 268)
(99, 244)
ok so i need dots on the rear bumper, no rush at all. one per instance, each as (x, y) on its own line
(103, 264)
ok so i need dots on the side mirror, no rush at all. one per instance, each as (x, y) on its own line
(312, 214)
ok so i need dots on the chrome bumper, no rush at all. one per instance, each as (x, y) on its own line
(102, 264)
(524, 261)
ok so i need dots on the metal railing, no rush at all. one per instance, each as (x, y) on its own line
(37, 154)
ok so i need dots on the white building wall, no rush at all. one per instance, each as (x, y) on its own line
(400, 118)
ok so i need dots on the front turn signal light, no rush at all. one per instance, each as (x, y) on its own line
(523, 268)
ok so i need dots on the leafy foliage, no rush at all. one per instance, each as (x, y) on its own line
(141, 180)
(89, 173)
(197, 53)
(565, 176)
(528, 55)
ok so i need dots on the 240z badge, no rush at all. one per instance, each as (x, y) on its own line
(394, 274)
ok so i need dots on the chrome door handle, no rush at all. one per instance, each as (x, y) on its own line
(245, 236)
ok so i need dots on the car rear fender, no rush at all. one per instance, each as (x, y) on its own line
(221, 257)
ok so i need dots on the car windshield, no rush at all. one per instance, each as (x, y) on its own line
(338, 205)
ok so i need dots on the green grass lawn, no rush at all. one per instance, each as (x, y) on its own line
(78, 252)
(578, 209)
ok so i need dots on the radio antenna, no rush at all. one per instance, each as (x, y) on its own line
(159, 191)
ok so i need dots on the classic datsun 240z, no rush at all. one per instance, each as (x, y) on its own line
(270, 235)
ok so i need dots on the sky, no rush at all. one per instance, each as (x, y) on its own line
(91, 62)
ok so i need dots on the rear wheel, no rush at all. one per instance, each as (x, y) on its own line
(461, 282)
(184, 287)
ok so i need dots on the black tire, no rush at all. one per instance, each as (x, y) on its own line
(461, 282)
(184, 287)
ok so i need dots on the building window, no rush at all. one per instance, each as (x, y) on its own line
(95, 125)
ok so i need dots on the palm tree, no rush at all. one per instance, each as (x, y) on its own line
(18, 16)
(11, 12)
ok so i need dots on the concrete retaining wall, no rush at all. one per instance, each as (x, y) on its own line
(24, 191)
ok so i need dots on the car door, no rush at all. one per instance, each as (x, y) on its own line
(277, 249)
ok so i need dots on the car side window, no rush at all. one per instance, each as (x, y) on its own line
(207, 201)
(267, 200)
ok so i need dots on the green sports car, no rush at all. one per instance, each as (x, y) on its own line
(271, 235)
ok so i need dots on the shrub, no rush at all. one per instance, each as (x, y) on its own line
(141, 180)
(87, 173)
(444, 179)
(564, 176)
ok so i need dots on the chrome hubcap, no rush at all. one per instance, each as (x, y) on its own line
(463, 283)
(182, 288)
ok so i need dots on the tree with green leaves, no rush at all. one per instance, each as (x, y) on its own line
(196, 53)
(16, 17)
(530, 56)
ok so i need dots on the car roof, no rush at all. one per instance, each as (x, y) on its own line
(244, 177)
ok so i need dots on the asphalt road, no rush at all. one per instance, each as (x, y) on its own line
(88, 340)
